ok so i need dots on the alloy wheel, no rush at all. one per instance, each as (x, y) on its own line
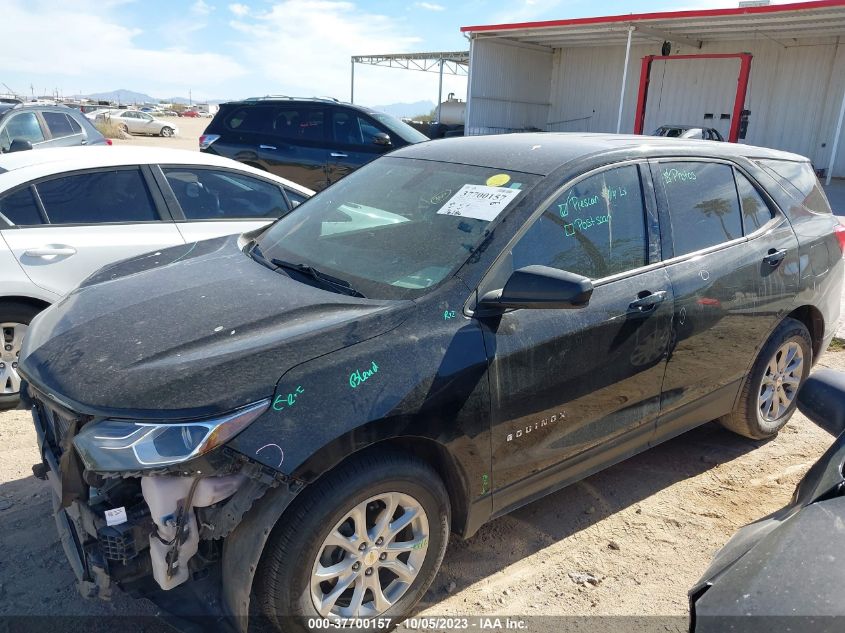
(371, 557)
(12, 337)
(781, 381)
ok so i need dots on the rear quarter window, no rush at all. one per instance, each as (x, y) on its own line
(799, 180)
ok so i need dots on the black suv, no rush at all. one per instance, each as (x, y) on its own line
(304, 413)
(35, 126)
(313, 142)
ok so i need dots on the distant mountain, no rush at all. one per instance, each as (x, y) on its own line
(406, 109)
(123, 96)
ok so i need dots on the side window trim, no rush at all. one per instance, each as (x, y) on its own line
(492, 270)
(7, 222)
(94, 170)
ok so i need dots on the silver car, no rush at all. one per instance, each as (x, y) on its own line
(136, 122)
(66, 212)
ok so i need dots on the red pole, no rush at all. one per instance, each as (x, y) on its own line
(741, 90)
(645, 73)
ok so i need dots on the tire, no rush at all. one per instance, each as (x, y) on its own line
(757, 417)
(15, 317)
(298, 543)
(166, 132)
(124, 128)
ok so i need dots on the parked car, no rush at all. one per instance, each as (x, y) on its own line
(305, 412)
(314, 142)
(191, 114)
(135, 122)
(689, 131)
(781, 572)
(30, 126)
(67, 212)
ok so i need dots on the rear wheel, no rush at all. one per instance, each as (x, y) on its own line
(14, 321)
(769, 396)
(365, 542)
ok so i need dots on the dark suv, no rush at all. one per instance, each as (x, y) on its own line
(35, 126)
(305, 412)
(313, 142)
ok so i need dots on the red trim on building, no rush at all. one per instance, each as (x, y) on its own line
(739, 100)
(664, 15)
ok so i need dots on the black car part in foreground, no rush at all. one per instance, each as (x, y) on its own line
(303, 414)
(783, 572)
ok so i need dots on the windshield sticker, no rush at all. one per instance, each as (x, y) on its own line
(671, 176)
(357, 377)
(499, 180)
(479, 202)
(515, 185)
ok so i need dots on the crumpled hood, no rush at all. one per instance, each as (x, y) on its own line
(189, 331)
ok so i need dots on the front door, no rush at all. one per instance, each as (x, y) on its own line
(736, 277)
(566, 381)
(353, 142)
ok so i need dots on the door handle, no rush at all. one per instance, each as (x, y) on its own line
(775, 257)
(49, 251)
(647, 300)
(266, 147)
(338, 155)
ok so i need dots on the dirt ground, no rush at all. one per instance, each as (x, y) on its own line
(645, 529)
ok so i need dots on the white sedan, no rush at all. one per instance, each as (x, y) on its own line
(136, 122)
(66, 212)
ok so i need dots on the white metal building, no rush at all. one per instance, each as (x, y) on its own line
(764, 75)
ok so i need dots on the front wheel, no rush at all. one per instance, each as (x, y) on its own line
(770, 394)
(365, 542)
(167, 131)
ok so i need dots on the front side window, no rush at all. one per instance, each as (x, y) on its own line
(351, 129)
(755, 212)
(98, 197)
(20, 208)
(396, 227)
(24, 126)
(703, 205)
(207, 194)
(596, 228)
(58, 124)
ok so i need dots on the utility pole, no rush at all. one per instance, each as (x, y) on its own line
(190, 99)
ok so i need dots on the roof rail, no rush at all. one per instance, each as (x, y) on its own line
(290, 98)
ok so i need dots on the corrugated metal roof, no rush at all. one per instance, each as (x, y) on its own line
(779, 22)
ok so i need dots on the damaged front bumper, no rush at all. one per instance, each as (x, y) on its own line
(188, 537)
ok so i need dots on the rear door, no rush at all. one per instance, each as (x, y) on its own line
(86, 220)
(210, 202)
(64, 130)
(567, 381)
(732, 259)
(353, 142)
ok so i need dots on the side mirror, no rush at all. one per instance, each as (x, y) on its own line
(19, 145)
(822, 399)
(538, 287)
(383, 139)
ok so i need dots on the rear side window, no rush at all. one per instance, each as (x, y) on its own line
(755, 212)
(20, 208)
(249, 119)
(58, 123)
(703, 206)
(800, 180)
(299, 123)
(208, 194)
(98, 197)
(596, 228)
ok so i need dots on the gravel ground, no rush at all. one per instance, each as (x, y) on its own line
(628, 541)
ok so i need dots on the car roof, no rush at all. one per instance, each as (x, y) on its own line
(19, 167)
(542, 152)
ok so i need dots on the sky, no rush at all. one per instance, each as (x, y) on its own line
(232, 50)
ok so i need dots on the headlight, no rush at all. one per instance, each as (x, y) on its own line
(113, 445)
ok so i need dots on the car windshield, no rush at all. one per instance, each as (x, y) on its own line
(397, 227)
(400, 127)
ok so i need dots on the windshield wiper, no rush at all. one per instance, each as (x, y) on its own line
(344, 287)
